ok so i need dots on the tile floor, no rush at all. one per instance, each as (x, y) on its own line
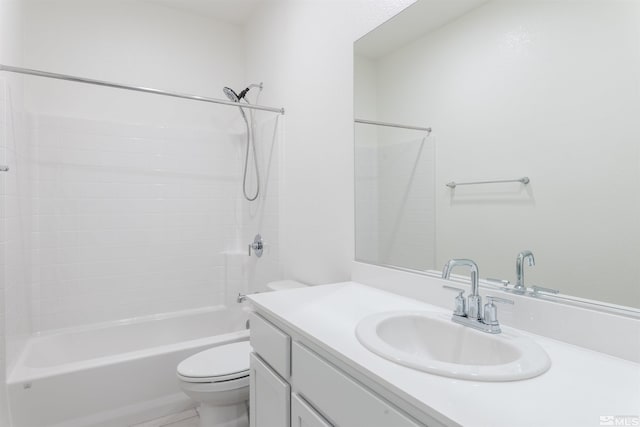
(183, 419)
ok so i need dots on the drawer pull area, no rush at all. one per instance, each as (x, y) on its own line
(333, 392)
(273, 345)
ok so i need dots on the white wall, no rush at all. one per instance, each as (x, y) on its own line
(136, 199)
(14, 203)
(136, 43)
(304, 50)
(526, 89)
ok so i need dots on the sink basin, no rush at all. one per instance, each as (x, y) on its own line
(431, 342)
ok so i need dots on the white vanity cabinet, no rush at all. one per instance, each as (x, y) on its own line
(344, 400)
(270, 393)
(269, 396)
(303, 415)
(293, 386)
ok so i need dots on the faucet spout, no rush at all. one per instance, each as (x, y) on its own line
(522, 256)
(452, 263)
(474, 298)
(487, 320)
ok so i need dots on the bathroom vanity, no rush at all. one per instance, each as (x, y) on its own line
(309, 369)
(291, 384)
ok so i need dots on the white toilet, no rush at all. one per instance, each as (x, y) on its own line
(218, 379)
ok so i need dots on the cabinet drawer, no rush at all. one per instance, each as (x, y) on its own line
(345, 401)
(273, 345)
(303, 415)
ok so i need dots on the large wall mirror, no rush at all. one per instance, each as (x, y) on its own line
(547, 90)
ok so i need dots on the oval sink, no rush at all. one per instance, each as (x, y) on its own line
(431, 342)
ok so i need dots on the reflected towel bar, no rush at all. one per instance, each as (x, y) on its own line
(66, 77)
(4, 168)
(392, 125)
(524, 180)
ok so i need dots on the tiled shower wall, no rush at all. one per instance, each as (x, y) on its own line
(4, 409)
(15, 202)
(130, 220)
(136, 219)
(10, 44)
(263, 215)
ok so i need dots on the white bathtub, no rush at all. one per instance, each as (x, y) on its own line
(116, 373)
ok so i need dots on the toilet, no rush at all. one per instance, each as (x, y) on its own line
(218, 379)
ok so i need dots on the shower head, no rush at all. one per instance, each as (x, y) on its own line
(231, 94)
(236, 97)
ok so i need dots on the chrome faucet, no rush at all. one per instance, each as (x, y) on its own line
(470, 314)
(475, 302)
(522, 256)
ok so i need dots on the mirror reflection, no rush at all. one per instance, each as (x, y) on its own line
(543, 90)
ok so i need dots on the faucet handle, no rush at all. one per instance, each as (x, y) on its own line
(491, 311)
(453, 288)
(537, 289)
(460, 308)
(491, 299)
(499, 282)
(257, 245)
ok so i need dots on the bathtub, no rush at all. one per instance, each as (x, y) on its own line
(116, 373)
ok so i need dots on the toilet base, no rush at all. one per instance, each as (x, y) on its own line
(235, 415)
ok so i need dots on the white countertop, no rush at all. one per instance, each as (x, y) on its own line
(581, 386)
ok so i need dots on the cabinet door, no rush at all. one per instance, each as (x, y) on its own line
(269, 396)
(303, 415)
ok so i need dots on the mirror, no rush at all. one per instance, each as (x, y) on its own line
(547, 90)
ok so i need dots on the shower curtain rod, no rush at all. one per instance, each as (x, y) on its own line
(47, 74)
(391, 125)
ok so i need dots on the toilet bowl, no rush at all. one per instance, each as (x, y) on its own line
(218, 380)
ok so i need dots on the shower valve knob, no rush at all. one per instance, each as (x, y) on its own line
(257, 246)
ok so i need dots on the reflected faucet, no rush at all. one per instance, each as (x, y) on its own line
(475, 302)
(522, 256)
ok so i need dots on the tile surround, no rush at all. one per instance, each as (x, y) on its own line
(130, 220)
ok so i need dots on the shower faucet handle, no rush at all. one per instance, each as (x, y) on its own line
(257, 246)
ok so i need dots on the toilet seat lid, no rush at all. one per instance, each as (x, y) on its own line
(222, 363)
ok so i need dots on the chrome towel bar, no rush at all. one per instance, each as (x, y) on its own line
(524, 180)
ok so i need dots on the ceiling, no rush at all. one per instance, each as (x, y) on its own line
(232, 11)
(420, 18)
